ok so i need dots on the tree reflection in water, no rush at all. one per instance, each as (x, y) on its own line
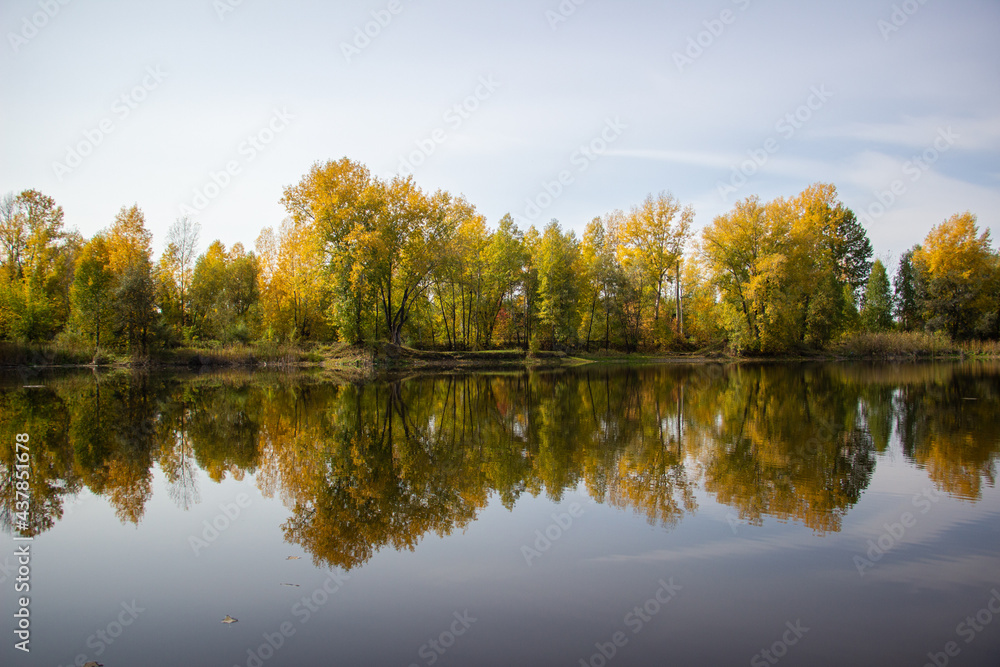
(368, 465)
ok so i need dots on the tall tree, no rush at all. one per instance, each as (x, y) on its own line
(504, 258)
(388, 236)
(129, 258)
(225, 292)
(334, 201)
(13, 235)
(398, 251)
(178, 260)
(294, 287)
(843, 236)
(594, 269)
(653, 239)
(38, 257)
(92, 290)
(956, 266)
(876, 306)
(907, 292)
(558, 262)
(743, 252)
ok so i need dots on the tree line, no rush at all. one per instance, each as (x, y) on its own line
(360, 259)
(365, 466)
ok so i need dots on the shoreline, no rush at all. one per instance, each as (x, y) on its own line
(386, 359)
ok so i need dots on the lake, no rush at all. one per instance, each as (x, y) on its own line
(801, 514)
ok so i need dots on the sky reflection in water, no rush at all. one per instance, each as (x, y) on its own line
(665, 515)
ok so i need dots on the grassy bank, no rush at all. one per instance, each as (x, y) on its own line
(373, 358)
(56, 355)
(909, 346)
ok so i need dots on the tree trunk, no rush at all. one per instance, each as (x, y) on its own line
(659, 291)
(590, 325)
(97, 335)
(680, 308)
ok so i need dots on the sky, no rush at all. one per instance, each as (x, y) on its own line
(564, 109)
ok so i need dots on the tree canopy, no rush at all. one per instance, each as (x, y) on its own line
(362, 259)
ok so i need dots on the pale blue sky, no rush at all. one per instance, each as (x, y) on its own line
(534, 91)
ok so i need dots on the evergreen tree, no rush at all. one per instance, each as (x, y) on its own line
(876, 308)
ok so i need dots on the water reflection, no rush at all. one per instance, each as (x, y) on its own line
(362, 467)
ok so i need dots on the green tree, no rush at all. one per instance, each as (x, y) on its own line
(558, 262)
(92, 290)
(504, 254)
(386, 236)
(907, 293)
(747, 253)
(225, 292)
(38, 258)
(595, 267)
(877, 306)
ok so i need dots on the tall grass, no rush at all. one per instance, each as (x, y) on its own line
(272, 354)
(43, 354)
(982, 348)
(895, 345)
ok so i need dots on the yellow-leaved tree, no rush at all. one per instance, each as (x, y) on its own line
(129, 258)
(958, 272)
(294, 286)
(651, 242)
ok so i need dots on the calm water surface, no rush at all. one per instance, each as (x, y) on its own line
(671, 515)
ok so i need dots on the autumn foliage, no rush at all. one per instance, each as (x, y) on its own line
(360, 259)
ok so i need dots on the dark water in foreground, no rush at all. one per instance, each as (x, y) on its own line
(674, 515)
